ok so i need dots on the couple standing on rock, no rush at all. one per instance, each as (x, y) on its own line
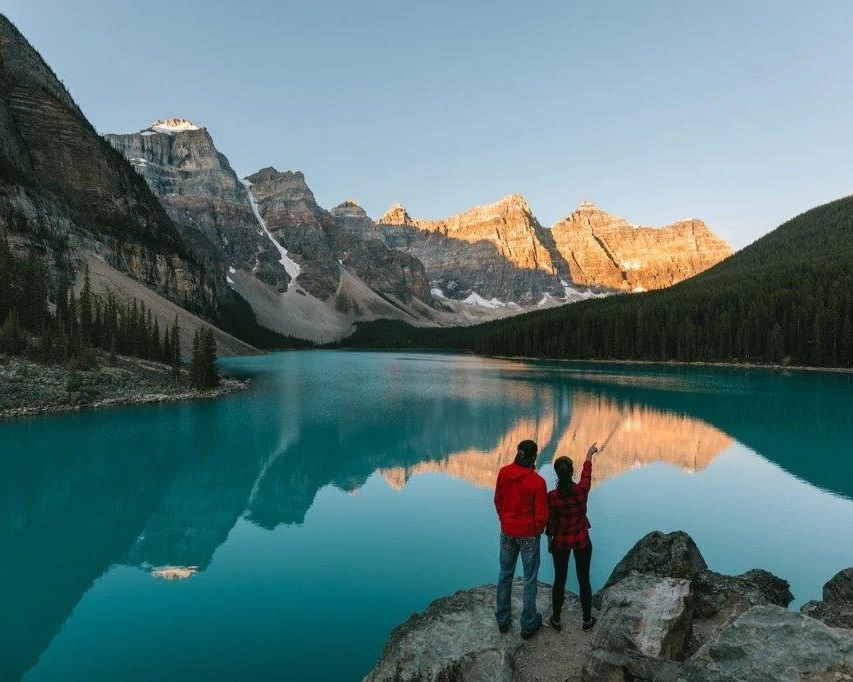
(526, 509)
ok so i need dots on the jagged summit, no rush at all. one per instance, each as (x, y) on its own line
(172, 125)
(396, 215)
(271, 173)
(349, 209)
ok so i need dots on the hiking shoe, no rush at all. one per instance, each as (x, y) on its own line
(588, 624)
(503, 628)
(528, 633)
(555, 624)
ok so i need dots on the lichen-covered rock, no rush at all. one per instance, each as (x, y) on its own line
(716, 592)
(839, 588)
(836, 609)
(647, 614)
(772, 644)
(833, 613)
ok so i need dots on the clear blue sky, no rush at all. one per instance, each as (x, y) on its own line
(740, 113)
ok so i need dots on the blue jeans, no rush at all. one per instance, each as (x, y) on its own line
(529, 549)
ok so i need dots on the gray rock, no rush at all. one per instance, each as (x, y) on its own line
(772, 644)
(718, 593)
(609, 666)
(674, 555)
(839, 588)
(456, 639)
(646, 614)
(834, 614)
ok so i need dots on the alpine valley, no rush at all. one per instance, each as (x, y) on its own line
(162, 216)
(312, 273)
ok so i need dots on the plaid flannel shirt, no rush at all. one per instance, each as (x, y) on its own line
(567, 522)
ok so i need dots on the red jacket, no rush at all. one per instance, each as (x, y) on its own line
(521, 500)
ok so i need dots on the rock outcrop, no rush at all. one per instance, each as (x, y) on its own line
(204, 197)
(599, 248)
(646, 630)
(501, 251)
(836, 608)
(495, 252)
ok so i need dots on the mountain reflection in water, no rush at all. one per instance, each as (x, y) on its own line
(640, 435)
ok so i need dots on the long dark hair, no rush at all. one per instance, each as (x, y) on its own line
(564, 468)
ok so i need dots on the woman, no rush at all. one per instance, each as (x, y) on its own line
(568, 530)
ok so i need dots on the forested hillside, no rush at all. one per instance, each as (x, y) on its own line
(787, 298)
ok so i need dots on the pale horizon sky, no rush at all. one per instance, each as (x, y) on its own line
(738, 113)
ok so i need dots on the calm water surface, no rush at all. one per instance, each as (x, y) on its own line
(283, 532)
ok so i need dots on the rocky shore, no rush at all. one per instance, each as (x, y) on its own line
(28, 388)
(662, 615)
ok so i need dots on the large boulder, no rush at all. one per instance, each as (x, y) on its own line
(673, 555)
(772, 644)
(645, 614)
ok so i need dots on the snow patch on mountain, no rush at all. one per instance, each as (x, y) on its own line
(291, 267)
(475, 299)
(172, 125)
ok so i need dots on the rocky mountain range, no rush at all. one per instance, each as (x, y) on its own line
(185, 228)
(501, 253)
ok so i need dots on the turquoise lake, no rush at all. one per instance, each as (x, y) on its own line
(281, 533)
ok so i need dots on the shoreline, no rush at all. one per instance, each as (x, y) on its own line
(682, 363)
(599, 361)
(229, 386)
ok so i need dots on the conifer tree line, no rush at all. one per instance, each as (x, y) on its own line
(67, 327)
(786, 299)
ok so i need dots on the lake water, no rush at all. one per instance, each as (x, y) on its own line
(281, 533)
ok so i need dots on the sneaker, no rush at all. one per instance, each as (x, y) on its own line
(555, 624)
(528, 633)
(503, 628)
(588, 624)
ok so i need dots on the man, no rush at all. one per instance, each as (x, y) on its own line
(521, 500)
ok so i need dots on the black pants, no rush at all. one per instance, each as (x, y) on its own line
(583, 557)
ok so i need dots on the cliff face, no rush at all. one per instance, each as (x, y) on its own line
(501, 251)
(383, 268)
(322, 241)
(204, 197)
(498, 251)
(65, 190)
(602, 249)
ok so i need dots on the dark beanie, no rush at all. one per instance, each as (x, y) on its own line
(528, 449)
